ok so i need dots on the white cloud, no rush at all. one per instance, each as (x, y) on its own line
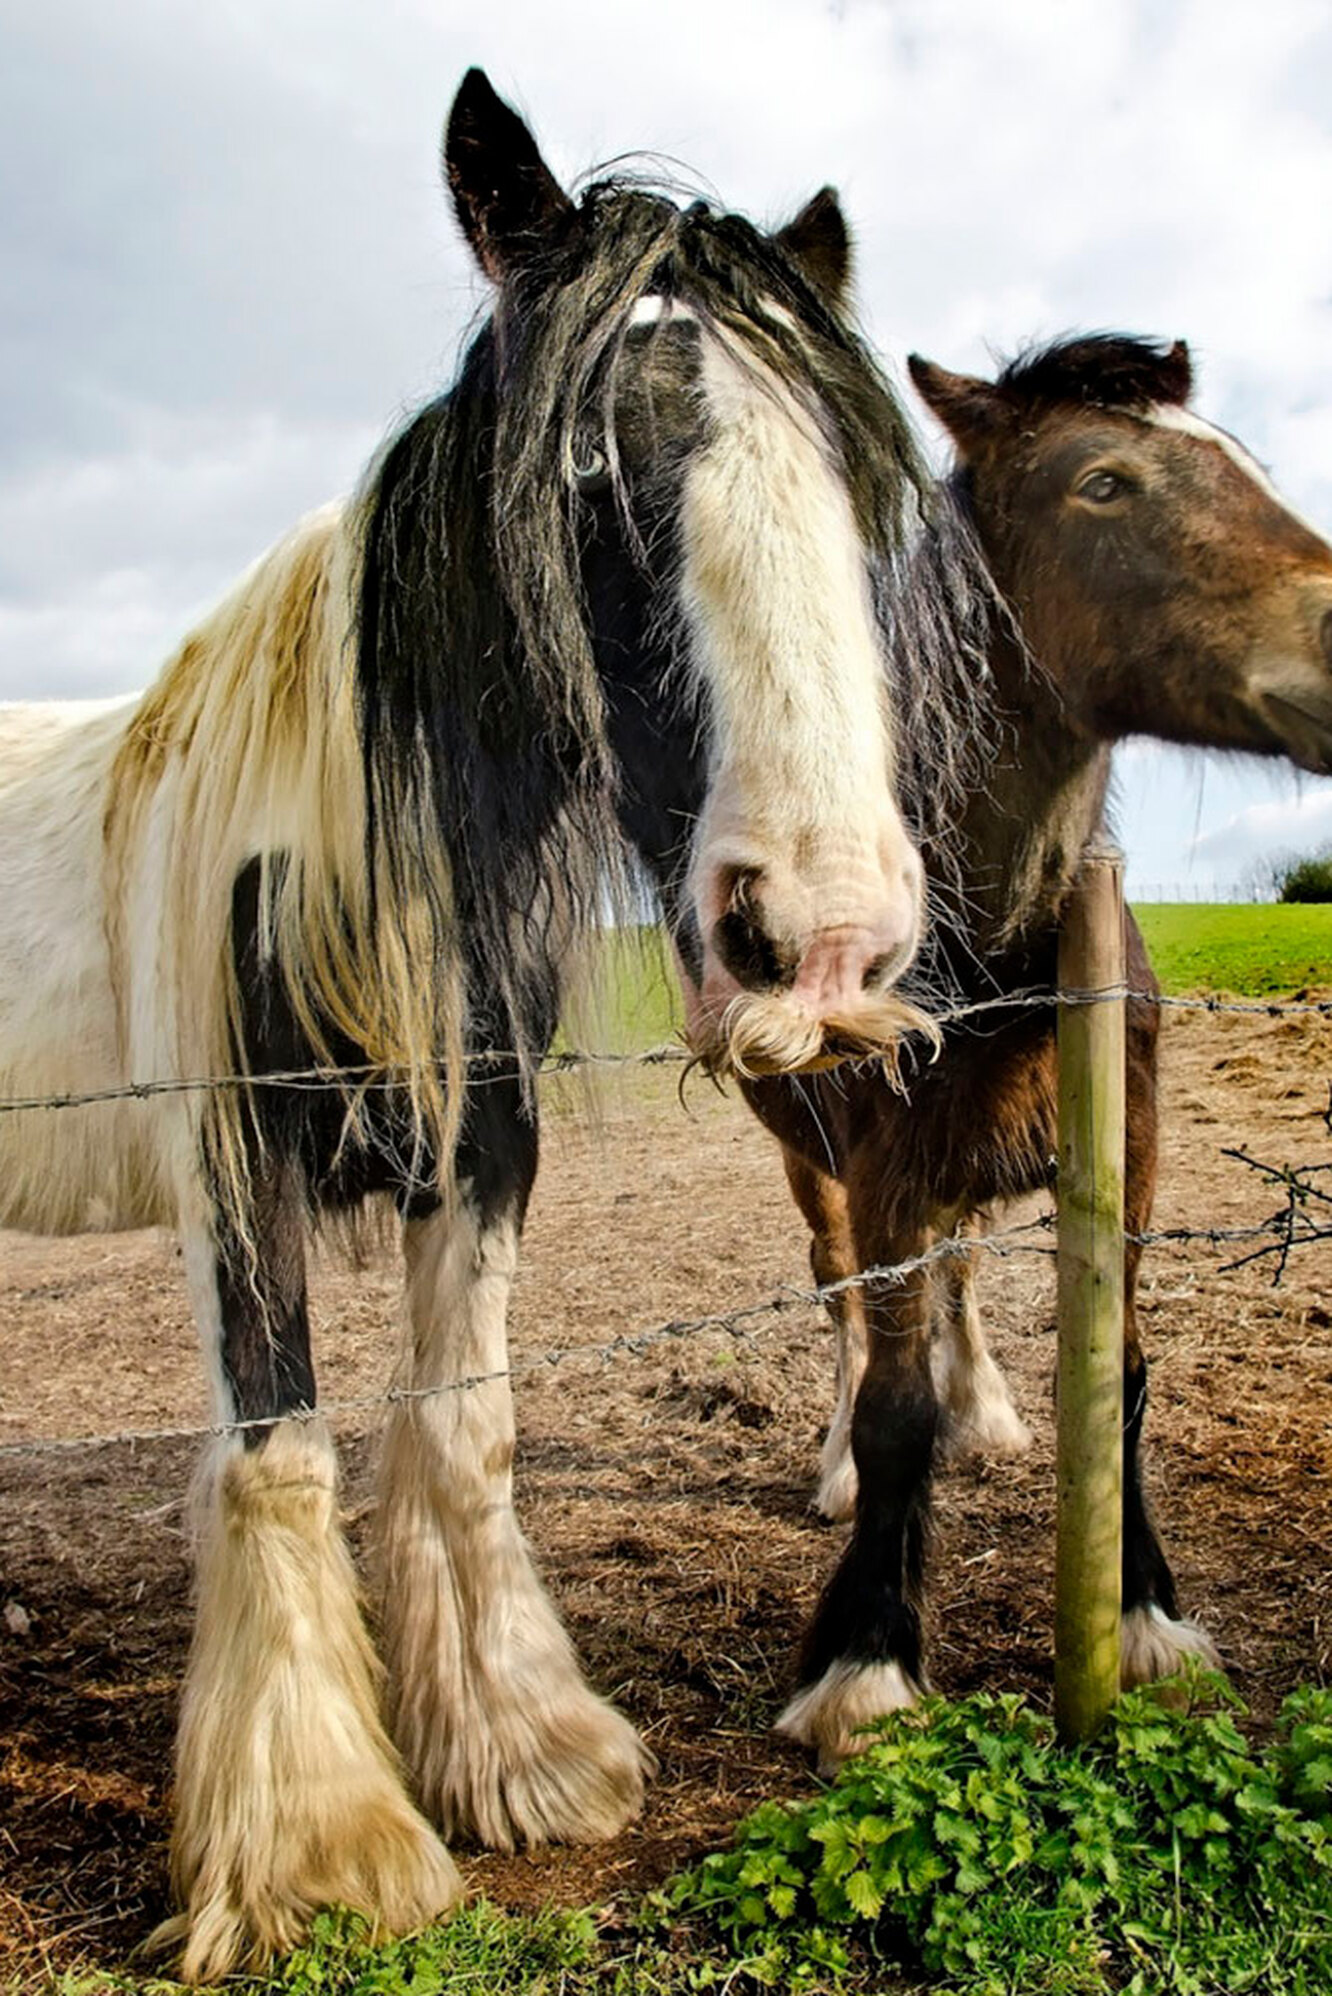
(111, 633)
(107, 559)
(1190, 822)
(1297, 824)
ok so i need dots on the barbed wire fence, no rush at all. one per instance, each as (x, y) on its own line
(1301, 1219)
(668, 1053)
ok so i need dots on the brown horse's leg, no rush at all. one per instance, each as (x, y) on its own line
(1154, 1638)
(862, 1655)
(974, 1396)
(832, 1256)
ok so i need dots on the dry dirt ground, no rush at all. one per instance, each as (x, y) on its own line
(666, 1492)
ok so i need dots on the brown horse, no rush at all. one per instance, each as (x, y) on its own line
(1153, 583)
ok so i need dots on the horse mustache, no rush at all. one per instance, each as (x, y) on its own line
(759, 1034)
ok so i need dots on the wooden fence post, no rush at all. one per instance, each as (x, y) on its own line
(1089, 1533)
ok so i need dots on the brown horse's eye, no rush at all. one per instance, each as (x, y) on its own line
(1103, 486)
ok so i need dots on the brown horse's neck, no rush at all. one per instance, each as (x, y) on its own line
(1023, 834)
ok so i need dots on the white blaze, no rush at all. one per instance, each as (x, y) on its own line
(777, 602)
(1171, 416)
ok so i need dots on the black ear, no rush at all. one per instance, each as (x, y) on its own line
(820, 242)
(508, 202)
(971, 410)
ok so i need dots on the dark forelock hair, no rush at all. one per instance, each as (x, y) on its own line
(1100, 370)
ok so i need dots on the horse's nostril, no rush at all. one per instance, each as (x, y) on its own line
(741, 939)
(1325, 635)
(875, 971)
(749, 952)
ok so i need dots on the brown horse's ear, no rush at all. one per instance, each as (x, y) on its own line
(971, 410)
(508, 202)
(1180, 365)
(820, 242)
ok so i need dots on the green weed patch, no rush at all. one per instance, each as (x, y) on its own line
(963, 1852)
(1166, 1860)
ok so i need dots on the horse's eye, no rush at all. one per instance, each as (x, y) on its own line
(1102, 486)
(591, 471)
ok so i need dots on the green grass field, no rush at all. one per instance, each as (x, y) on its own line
(1255, 949)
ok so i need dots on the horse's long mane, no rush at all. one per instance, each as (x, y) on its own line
(245, 747)
(940, 614)
(398, 711)
(516, 789)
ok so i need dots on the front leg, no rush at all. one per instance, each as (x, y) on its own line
(862, 1655)
(488, 1706)
(1155, 1639)
(832, 1258)
(289, 1795)
(974, 1396)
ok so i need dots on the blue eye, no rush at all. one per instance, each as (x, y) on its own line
(591, 471)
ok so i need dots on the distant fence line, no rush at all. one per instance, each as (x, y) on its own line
(1304, 1216)
(1293, 1225)
(1207, 891)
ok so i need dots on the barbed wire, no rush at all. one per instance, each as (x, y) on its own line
(364, 1079)
(1269, 1008)
(369, 1078)
(1285, 1230)
(733, 1322)
(1289, 1227)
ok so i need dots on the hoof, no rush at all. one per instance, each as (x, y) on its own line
(978, 1411)
(993, 1428)
(567, 1769)
(1152, 1646)
(288, 1794)
(249, 1904)
(830, 1714)
(501, 1737)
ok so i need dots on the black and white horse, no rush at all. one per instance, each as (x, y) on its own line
(622, 588)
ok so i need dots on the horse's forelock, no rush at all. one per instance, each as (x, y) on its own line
(560, 342)
(1100, 370)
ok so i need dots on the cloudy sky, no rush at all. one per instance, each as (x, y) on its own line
(227, 265)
